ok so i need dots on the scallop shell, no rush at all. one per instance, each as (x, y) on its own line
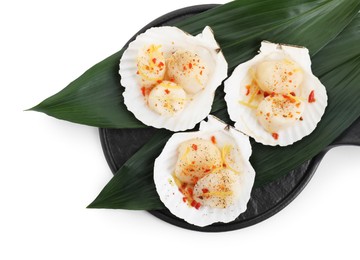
(168, 191)
(245, 117)
(172, 39)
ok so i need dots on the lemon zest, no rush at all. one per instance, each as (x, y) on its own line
(251, 99)
(247, 104)
(224, 152)
(222, 194)
(176, 180)
(187, 151)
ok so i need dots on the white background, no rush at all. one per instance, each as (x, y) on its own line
(51, 169)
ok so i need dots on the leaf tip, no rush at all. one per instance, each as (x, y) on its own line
(93, 205)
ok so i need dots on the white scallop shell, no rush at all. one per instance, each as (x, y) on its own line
(245, 117)
(168, 191)
(171, 39)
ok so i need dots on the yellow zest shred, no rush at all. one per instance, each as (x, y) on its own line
(254, 93)
(247, 104)
(187, 151)
(222, 194)
(224, 152)
(176, 180)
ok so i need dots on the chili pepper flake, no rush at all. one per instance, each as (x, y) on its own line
(143, 91)
(311, 98)
(247, 90)
(190, 191)
(198, 205)
(167, 91)
(194, 147)
(275, 136)
(213, 139)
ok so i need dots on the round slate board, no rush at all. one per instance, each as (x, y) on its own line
(265, 201)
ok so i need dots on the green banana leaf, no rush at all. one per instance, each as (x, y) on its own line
(132, 186)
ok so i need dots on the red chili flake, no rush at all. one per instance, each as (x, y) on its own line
(198, 205)
(190, 191)
(193, 203)
(207, 170)
(272, 94)
(224, 165)
(290, 81)
(184, 68)
(259, 92)
(201, 72)
(194, 147)
(266, 94)
(184, 199)
(159, 81)
(213, 139)
(311, 98)
(247, 90)
(205, 190)
(193, 162)
(293, 94)
(183, 186)
(190, 65)
(154, 60)
(137, 72)
(160, 64)
(167, 91)
(275, 136)
(195, 180)
(143, 91)
(172, 79)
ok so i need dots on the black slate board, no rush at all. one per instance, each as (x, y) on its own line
(265, 201)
